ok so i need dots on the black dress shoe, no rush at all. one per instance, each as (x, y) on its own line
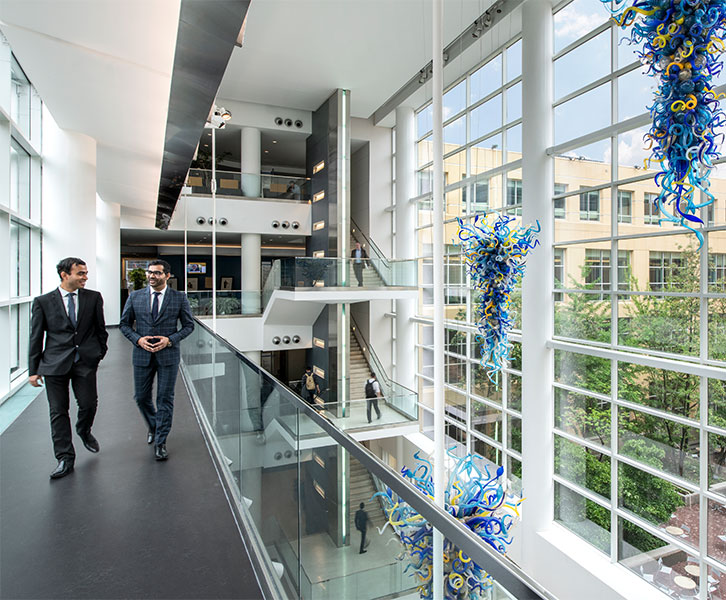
(90, 442)
(150, 437)
(160, 452)
(64, 468)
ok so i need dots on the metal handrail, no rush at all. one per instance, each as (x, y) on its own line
(501, 569)
(371, 244)
(376, 360)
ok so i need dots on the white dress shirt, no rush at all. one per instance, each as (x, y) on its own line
(161, 296)
(64, 295)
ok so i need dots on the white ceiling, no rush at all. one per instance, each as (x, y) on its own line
(297, 52)
(103, 68)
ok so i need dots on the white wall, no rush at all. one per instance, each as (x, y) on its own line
(69, 200)
(249, 114)
(108, 257)
(243, 216)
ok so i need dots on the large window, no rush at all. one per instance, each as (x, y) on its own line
(638, 427)
(19, 216)
(590, 205)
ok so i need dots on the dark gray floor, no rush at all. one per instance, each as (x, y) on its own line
(122, 525)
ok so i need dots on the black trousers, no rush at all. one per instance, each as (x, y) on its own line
(308, 395)
(83, 380)
(374, 403)
(358, 270)
(362, 540)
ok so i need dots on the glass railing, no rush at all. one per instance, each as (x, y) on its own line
(305, 272)
(287, 469)
(388, 269)
(404, 400)
(229, 302)
(235, 183)
(272, 283)
(395, 409)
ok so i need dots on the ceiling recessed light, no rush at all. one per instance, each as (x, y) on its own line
(274, 141)
(267, 151)
(206, 145)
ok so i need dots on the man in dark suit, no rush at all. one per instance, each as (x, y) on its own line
(359, 257)
(70, 319)
(156, 311)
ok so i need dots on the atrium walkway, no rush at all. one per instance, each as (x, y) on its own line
(121, 525)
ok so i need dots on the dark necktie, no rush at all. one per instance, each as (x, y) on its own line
(72, 309)
(155, 306)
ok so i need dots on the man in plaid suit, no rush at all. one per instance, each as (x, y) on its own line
(156, 311)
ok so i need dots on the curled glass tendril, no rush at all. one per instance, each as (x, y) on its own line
(681, 44)
(495, 255)
(476, 499)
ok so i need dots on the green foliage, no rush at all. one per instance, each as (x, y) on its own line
(137, 277)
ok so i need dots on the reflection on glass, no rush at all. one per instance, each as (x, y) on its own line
(717, 329)
(482, 386)
(581, 370)
(514, 392)
(587, 468)
(659, 443)
(455, 403)
(582, 316)
(716, 535)
(486, 420)
(583, 517)
(583, 416)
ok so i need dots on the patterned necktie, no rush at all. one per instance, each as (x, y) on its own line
(155, 305)
(72, 309)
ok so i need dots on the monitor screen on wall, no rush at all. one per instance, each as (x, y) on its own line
(196, 267)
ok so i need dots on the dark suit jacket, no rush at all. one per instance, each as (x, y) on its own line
(363, 254)
(50, 321)
(174, 309)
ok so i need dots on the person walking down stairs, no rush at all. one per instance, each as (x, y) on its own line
(373, 392)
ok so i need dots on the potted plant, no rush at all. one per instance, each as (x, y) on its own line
(137, 277)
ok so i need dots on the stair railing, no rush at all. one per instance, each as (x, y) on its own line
(399, 397)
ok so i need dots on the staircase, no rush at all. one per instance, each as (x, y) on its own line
(360, 371)
(361, 490)
(371, 278)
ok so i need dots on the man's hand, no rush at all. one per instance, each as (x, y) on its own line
(161, 344)
(145, 344)
(36, 380)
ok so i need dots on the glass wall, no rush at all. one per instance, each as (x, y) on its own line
(482, 173)
(639, 371)
(20, 126)
(639, 309)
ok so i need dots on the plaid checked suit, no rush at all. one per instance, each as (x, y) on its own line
(136, 322)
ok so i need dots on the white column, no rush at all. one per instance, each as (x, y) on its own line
(537, 298)
(69, 201)
(405, 242)
(438, 258)
(251, 262)
(108, 257)
(251, 145)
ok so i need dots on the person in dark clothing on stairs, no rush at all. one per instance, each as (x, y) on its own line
(373, 392)
(310, 385)
(361, 524)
